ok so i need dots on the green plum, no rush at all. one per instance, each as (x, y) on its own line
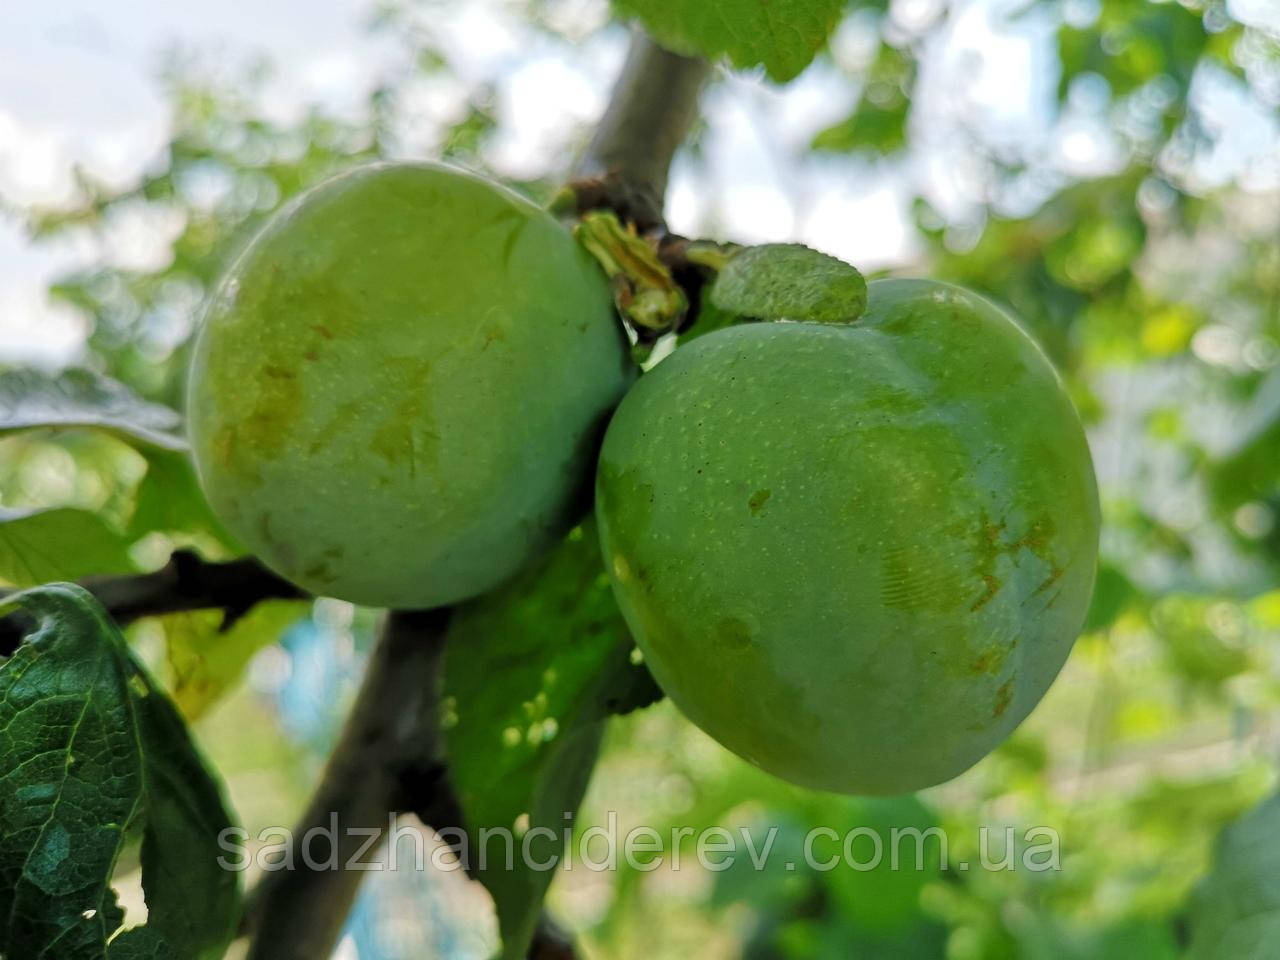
(398, 390)
(856, 554)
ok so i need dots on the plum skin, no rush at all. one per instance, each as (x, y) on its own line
(398, 389)
(856, 555)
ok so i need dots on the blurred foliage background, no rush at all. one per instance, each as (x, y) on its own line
(1134, 225)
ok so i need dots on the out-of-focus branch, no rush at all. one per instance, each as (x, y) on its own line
(186, 582)
(651, 110)
(392, 735)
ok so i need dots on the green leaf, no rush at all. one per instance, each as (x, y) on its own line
(885, 900)
(531, 673)
(871, 127)
(141, 943)
(878, 123)
(92, 752)
(789, 281)
(79, 398)
(782, 35)
(1113, 593)
(68, 543)
(1043, 936)
(1235, 911)
(1249, 469)
(1196, 653)
(38, 546)
(169, 500)
(1132, 43)
(206, 660)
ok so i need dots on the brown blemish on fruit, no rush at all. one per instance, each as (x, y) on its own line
(406, 435)
(1055, 574)
(324, 331)
(323, 569)
(991, 659)
(992, 587)
(320, 572)
(733, 633)
(757, 501)
(1037, 538)
(1003, 698)
(346, 415)
(990, 547)
(224, 445)
(284, 553)
(274, 400)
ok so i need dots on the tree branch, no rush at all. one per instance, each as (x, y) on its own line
(186, 582)
(298, 913)
(651, 110)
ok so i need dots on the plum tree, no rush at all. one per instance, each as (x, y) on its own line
(855, 554)
(397, 391)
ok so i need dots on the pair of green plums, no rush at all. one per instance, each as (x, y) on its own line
(856, 555)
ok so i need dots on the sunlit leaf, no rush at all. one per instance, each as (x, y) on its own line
(1235, 911)
(532, 671)
(783, 35)
(206, 661)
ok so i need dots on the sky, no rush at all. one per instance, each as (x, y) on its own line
(78, 86)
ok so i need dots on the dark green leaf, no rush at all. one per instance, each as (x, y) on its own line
(871, 127)
(885, 900)
(1113, 592)
(1132, 43)
(789, 281)
(1235, 911)
(1046, 937)
(141, 943)
(93, 752)
(878, 123)
(79, 398)
(1250, 468)
(783, 35)
(531, 674)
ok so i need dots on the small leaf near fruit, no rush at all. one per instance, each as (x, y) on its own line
(789, 281)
